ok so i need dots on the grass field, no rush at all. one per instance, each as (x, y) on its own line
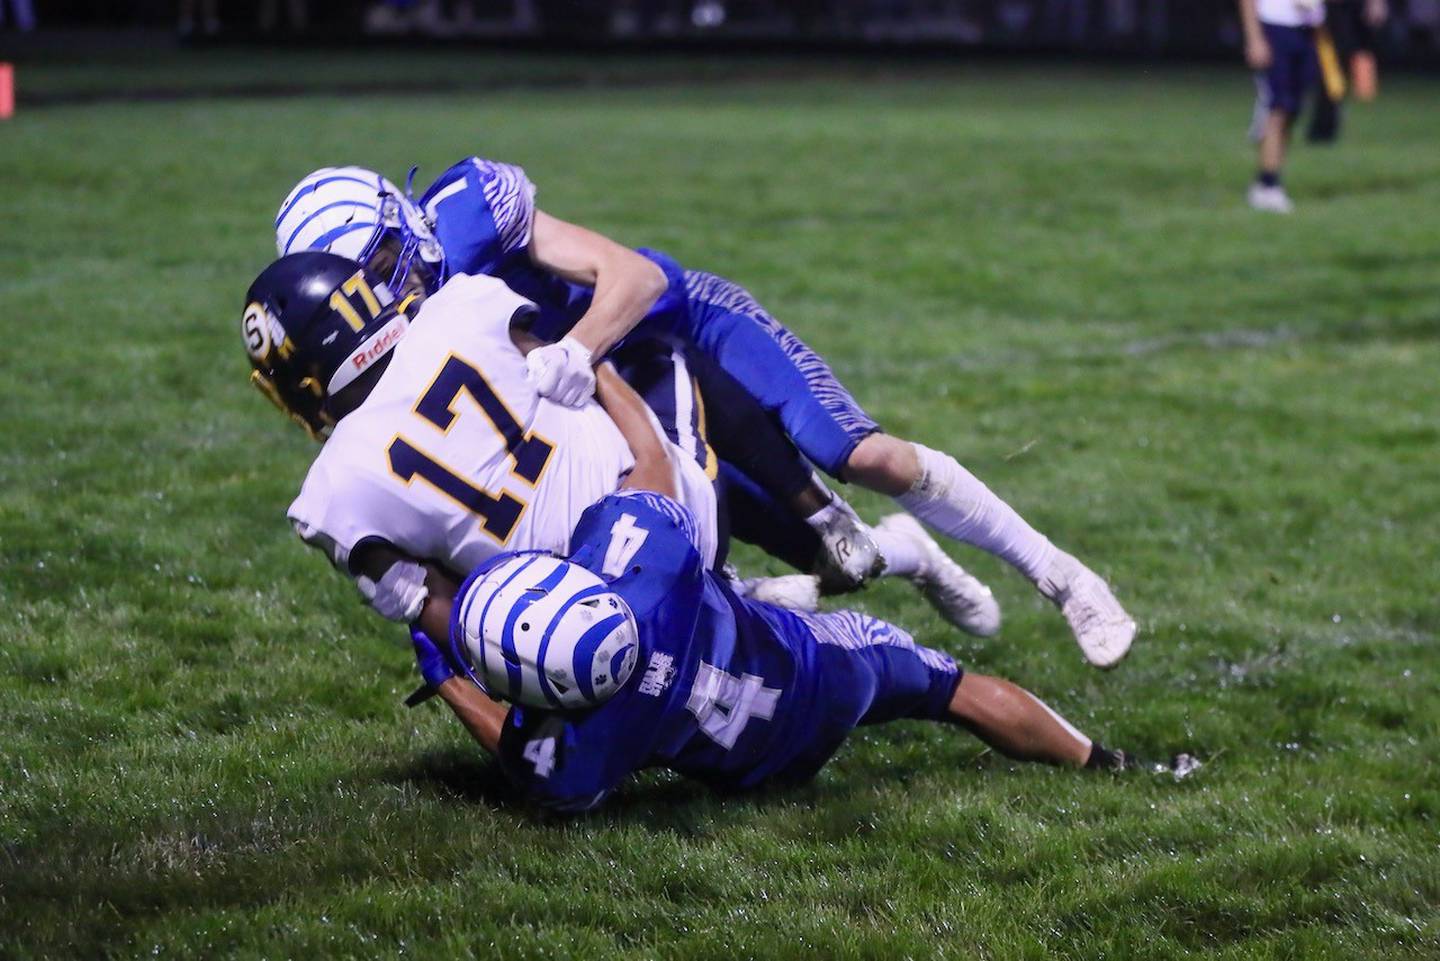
(1051, 273)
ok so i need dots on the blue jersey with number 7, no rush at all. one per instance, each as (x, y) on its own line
(726, 690)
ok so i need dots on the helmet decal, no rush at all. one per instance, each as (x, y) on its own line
(255, 326)
(369, 352)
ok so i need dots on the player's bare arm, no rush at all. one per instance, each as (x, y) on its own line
(653, 469)
(626, 284)
(481, 716)
(626, 287)
(1257, 48)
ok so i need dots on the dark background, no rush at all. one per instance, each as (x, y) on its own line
(1192, 29)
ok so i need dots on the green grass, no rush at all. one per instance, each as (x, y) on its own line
(1051, 274)
(91, 70)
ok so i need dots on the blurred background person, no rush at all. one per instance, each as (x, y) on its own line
(1356, 33)
(203, 15)
(1280, 48)
(298, 12)
(21, 11)
(1423, 26)
(1352, 26)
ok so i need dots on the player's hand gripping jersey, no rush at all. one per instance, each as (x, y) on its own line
(453, 457)
(726, 690)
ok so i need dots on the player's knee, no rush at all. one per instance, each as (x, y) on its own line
(883, 463)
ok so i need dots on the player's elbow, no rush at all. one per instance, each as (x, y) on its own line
(649, 280)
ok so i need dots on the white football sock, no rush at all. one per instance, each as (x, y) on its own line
(953, 501)
(904, 556)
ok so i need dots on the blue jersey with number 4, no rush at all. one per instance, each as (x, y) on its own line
(725, 690)
(483, 212)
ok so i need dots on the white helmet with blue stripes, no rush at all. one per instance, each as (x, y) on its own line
(352, 211)
(541, 631)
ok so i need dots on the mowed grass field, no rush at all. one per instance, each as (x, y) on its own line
(1048, 272)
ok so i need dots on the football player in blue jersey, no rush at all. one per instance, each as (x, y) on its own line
(480, 217)
(324, 357)
(766, 486)
(628, 655)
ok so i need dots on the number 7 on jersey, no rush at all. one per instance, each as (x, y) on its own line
(529, 452)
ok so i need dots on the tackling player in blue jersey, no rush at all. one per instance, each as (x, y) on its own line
(628, 655)
(480, 217)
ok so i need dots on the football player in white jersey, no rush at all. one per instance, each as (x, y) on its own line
(594, 294)
(440, 458)
(436, 445)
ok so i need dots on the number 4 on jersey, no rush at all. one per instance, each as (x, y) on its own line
(724, 703)
(540, 752)
(625, 542)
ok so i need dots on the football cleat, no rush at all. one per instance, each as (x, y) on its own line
(1271, 200)
(1180, 766)
(1111, 759)
(795, 592)
(848, 556)
(959, 597)
(1101, 627)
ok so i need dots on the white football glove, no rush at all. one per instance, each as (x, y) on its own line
(399, 594)
(563, 372)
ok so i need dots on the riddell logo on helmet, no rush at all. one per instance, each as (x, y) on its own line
(369, 352)
(376, 347)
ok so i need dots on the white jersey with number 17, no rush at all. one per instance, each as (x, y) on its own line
(453, 457)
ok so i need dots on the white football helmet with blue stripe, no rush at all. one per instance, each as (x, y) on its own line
(541, 631)
(352, 211)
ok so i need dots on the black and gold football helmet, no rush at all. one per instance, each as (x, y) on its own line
(313, 322)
